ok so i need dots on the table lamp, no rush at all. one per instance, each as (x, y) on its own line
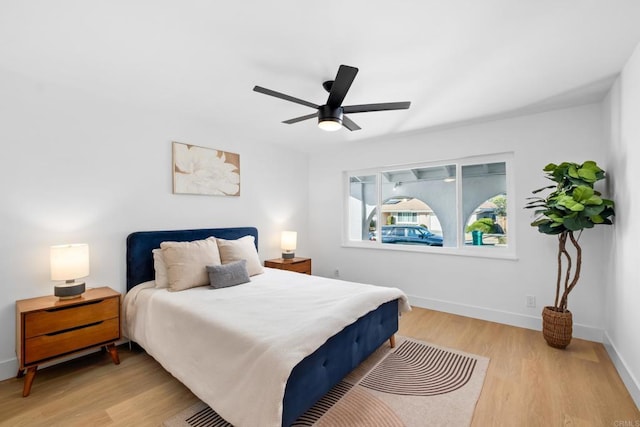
(68, 263)
(288, 244)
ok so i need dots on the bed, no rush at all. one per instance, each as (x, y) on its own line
(320, 362)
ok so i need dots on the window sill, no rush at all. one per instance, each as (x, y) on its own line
(477, 252)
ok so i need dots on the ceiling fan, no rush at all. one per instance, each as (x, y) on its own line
(331, 116)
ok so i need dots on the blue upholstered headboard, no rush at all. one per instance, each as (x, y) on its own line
(141, 243)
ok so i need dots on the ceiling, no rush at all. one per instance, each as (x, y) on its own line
(455, 60)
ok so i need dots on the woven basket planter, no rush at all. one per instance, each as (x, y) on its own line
(557, 327)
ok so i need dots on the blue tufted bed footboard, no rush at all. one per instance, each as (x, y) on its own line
(315, 375)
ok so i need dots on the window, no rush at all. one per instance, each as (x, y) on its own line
(457, 206)
(362, 205)
(407, 217)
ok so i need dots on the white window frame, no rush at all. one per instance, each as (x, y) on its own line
(506, 252)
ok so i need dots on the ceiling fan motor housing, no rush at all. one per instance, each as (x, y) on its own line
(327, 113)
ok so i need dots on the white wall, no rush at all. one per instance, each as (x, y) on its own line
(492, 289)
(80, 169)
(622, 109)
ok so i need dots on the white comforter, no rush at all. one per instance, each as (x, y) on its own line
(235, 347)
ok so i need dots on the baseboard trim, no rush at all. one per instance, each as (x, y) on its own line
(632, 384)
(8, 369)
(585, 332)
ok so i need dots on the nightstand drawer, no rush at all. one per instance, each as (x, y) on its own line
(55, 344)
(59, 319)
(300, 267)
(297, 265)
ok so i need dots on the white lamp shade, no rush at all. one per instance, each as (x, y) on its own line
(288, 241)
(69, 262)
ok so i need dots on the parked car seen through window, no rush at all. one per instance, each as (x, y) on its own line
(410, 235)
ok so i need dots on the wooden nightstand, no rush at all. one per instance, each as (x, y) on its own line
(49, 328)
(299, 265)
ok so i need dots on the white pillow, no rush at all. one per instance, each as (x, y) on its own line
(242, 248)
(187, 262)
(162, 280)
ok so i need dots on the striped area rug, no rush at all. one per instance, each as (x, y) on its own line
(415, 384)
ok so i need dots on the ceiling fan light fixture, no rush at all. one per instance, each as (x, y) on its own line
(329, 119)
(330, 124)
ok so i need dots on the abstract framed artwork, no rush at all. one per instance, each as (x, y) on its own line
(206, 171)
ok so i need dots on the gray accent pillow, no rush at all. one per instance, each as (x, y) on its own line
(231, 274)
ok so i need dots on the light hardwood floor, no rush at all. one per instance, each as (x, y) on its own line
(527, 383)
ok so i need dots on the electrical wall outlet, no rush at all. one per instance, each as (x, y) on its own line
(531, 301)
(336, 273)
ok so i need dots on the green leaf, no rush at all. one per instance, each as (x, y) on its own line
(578, 223)
(590, 164)
(569, 203)
(550, 167)
(582, 193)
(596, 219)
(540, 222)
(547, 229)
(587, 174)
(591, 210)
(557, 220)
(573, 171)
(543, 188)
(593, 200)
(607, 212)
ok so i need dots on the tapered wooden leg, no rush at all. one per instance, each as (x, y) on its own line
(20, 373)
(28, 380)
(392, 341)
(113, 351)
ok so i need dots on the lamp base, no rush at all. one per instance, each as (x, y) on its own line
(288, 255)
(69, 290)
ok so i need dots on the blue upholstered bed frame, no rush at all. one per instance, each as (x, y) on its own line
(315, 375)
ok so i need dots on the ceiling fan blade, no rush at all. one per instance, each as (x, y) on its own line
(341, 85)
(385, 106)
(301, 118)
(349, 124)
(283, 96)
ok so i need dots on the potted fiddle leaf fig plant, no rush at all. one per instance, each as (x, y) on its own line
(572, 206)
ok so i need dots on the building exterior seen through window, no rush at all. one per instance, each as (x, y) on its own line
(458, 204)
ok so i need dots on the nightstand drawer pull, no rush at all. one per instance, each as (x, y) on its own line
(73, 329)
(71, 307)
